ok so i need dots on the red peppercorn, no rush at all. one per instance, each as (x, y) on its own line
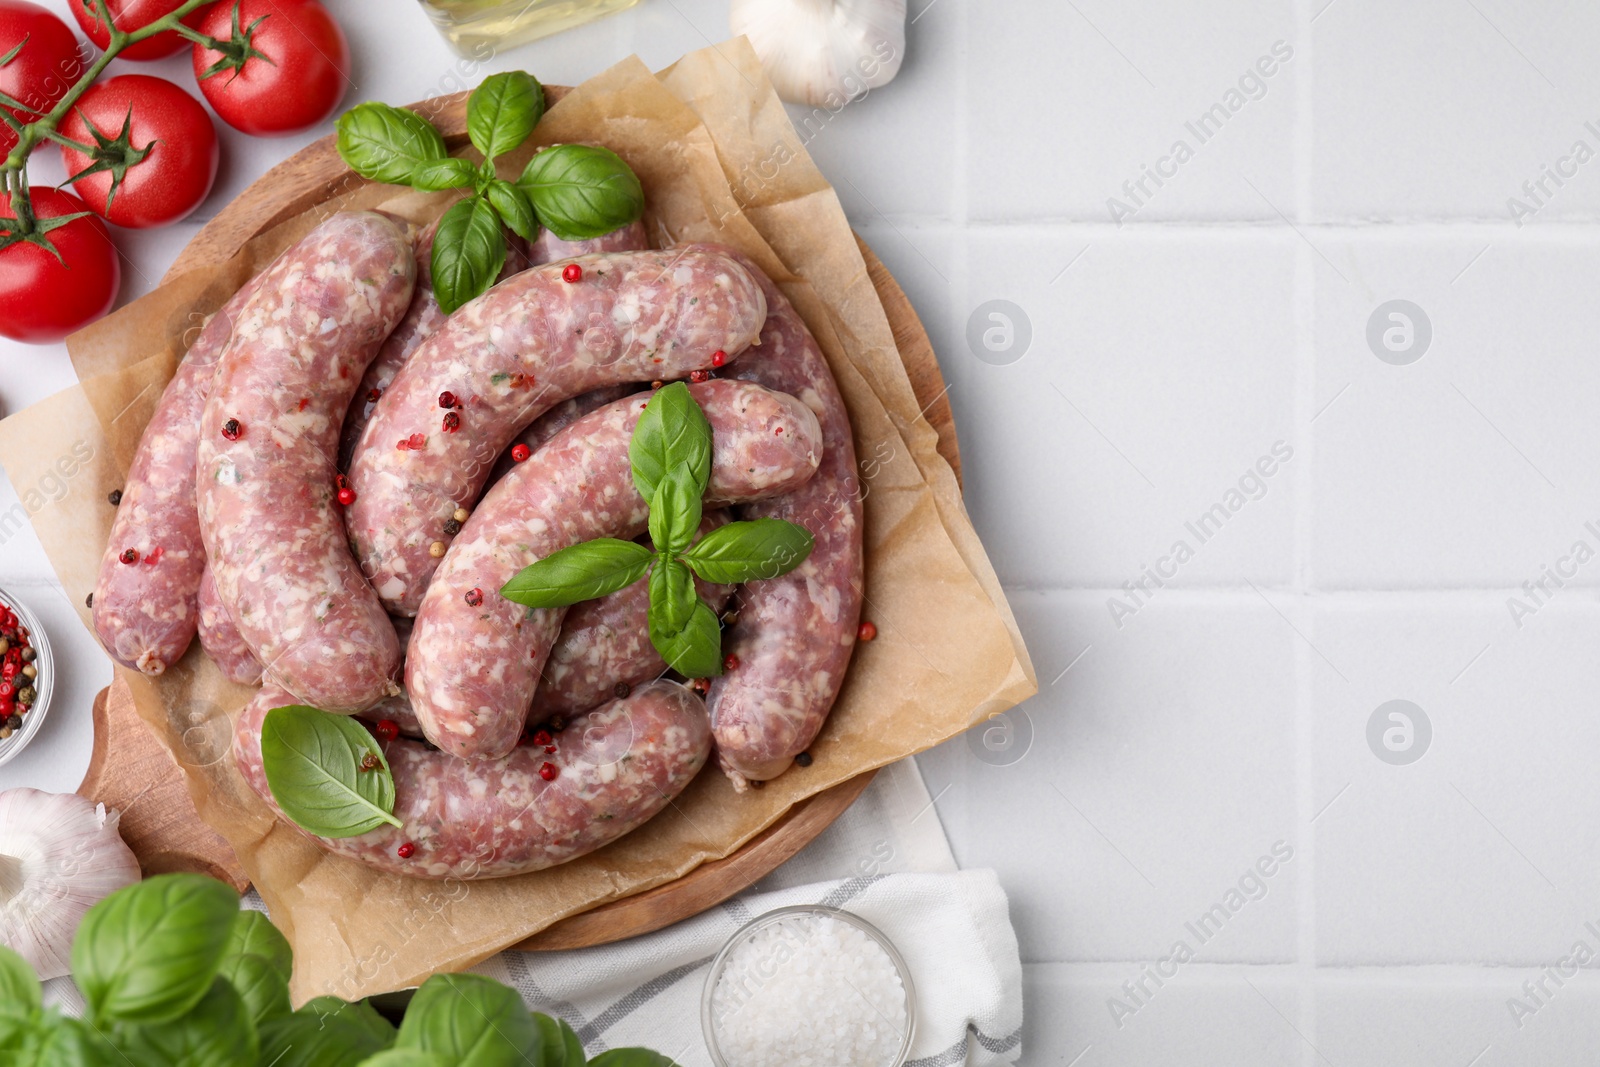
(718, 358)
(373, 395)
(416, 440)
(447, 399)
(474, 597)
(130, 555)
(387, 729)
(730, 662)
(406, 851)
(7, 689)
(154, 555)
(867, 632)
(550, 750)
(520, 453)
(305, 402)
(9, 670)
(698, 376)
(452, 421)
(571, 273)
(541, 737)
(549, 771)
(347, 496)
(231, 429)
(402, 444)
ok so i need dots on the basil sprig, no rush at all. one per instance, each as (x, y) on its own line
(313, 762)
(670, 453)
(578, 191)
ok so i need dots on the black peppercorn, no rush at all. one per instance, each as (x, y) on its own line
(452, 527)
(115, 497)
(804, 759)
(621, 689)
(88, 601)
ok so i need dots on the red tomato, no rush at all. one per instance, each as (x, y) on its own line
(43, 298)
(165, 185)
(130, 15)
(44, 70)
(301, 85)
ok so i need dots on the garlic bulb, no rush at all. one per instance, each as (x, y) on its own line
(824, 52)
(59, 855)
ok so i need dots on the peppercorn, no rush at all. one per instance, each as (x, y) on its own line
(461, 515)
(436, 550)
(5, 733)
(452, 421)
(373, 395)
(549, 771)
(5, 646)
(347, 496)
(452, 527)
(756, 783)
(447, 399)
(730, 618)
(867, 632)
(88, 601)
(718, 358)
(804, 759)
(387, 729)
(730, 662)
(115, 497)
(231, 429)
(541, 737)
(30, 671)
(520, 452)
(571, 273)
(369, 762)
(557, 724)
(130, 555)
(27, 695)
(474, 597)
(621, 690)
(14, 721)
(28, 654)
(406, 850)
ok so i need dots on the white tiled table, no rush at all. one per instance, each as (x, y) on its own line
(1229, 711)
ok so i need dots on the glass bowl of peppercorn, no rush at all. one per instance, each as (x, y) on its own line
(27, 675)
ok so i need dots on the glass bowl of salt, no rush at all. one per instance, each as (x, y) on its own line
(808, 986)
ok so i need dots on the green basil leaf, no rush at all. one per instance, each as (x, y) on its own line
(503, 111)
(586, 571)
(361, 1014)
(515, 210)
(672, 595)
(468, 252)
(252, 933)
(405, 1057)
(387, 144)
(582, 191)
(749, 551)
(216, 1032)
(471, 1020)
(675, 512)
(312, 762)
(561, 1046)
(19, 986)
(148, 952)
(672, 432)
(260, 985)
(309, 1041)
(695, 651)
(631, 1057)
(446, 173)
(71, 1043)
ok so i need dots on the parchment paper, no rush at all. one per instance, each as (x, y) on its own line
(719, 161)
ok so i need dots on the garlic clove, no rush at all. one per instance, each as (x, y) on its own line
(824, 52)
(60, 854)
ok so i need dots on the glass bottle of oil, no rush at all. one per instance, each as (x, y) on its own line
(473, 25)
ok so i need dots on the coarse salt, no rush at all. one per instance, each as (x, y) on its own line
(809, 990)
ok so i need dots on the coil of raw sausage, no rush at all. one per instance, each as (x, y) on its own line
(475, 656)
(221, 638)
(265, 481)
(613, 769)
(504, 359)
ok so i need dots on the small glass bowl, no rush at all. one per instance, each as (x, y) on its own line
(749, 929)
(45, 683)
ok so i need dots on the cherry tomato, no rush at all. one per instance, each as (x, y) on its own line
(130, 15)
(43, 298)
(45, 68)
(164, 185)
(302, 80)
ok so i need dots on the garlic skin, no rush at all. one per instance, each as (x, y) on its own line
(824, 52)
(59, 855)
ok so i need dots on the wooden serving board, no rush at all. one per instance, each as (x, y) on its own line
(131, 771)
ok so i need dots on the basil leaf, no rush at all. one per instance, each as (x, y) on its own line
(471, 1020)
(672, 595)
(561, 1046)
(503, 111)
(387, 144)
(672, 432)
(695, 651)
(582, 191)
(19, 986)
(309, 1041)
(750, 551)
(313, 765)
(631, 1057)
(515, 210)
(446, 173)
(468, 252)
(148, 952)
(405, 1057)
(216, 1032)
(252, 933)
(587, 571)
(674, 512)
(70, 1043)
(260, 985)
(361, 1014)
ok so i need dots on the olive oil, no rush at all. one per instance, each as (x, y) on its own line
(471, 26)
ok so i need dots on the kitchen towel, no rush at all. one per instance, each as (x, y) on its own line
(886, 860)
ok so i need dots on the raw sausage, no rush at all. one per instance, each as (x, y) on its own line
(476, 656)
(221, 638)
(555, 420)
(614, 769)
(795, 634)
(506, 358)
(146, 598)
(266, 479)
(547, 247)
